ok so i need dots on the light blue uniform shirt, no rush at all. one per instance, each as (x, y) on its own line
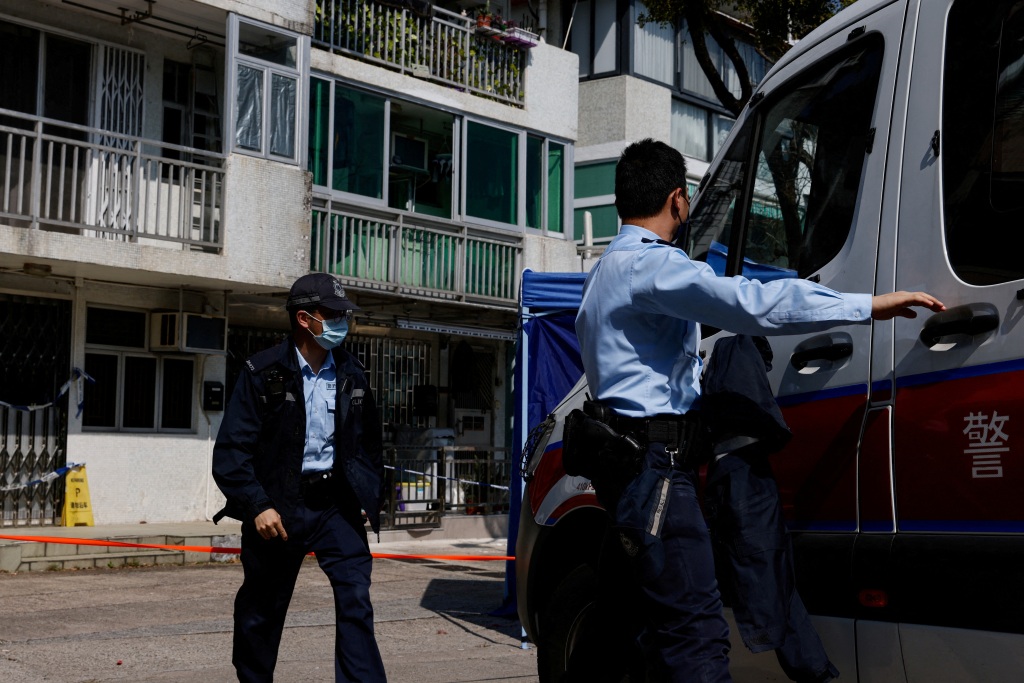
(319, 393)
(638, 323)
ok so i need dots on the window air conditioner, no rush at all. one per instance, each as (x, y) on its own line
(198, 334)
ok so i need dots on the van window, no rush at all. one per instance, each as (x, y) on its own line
(982, 141)
(812, 138)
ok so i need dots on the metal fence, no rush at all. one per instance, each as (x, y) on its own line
(424, 484)
(438, 45)
(68, 178)
(395, 252)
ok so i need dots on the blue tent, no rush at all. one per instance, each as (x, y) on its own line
(548, 365)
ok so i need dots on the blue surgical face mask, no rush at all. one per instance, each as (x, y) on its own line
(333, 332)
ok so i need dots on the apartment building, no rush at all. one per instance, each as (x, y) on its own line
(637, 82)
(168, 168)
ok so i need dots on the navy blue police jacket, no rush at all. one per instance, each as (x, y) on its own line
(257, 460)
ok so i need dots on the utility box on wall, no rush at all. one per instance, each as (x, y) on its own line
(213, 396)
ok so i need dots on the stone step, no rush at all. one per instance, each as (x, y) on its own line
(131, 558)
(22, 556)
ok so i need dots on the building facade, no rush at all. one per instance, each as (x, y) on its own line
(169, 169)
(638, 82)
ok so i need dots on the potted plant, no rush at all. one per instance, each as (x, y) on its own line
(484, 16)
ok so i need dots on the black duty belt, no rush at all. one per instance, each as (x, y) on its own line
(312, 481)
(667, 429)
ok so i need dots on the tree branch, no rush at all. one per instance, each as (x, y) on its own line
(696, 25)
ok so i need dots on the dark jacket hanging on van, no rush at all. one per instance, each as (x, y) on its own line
(753, 552)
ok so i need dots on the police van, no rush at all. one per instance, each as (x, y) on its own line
(884, 152)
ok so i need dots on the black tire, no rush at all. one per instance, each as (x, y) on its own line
(571, 630)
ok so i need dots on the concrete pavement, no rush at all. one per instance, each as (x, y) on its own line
(173, 623)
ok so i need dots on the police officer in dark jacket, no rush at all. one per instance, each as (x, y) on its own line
(298, 457)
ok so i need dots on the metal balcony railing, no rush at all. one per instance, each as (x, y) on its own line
(63, 177)
(442, 46)
(412, 254)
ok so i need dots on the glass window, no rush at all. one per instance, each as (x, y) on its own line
(606, 44)
(595, 180)
(138, 391)
(133, 391)
(809, 163)
(534, 180)
(653, 49)
(317, 155)
(268, 67)
(720, 127)
(982, 153)
(491, 176)
(604, 222)
(249, 108)
(19, 63)
(176, 393)
(100, 409)
(358, 143)
(556, 186)
(282, 115)
(581, 41)
(111, 327)
(690, 129)
(594, 36)
(693, 78)
(265, 44)
(420, 163)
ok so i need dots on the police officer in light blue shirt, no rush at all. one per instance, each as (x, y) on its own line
(299, 459)
(639, 331)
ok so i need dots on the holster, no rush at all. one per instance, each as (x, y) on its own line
(592, 448)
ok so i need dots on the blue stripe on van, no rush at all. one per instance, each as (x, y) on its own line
(834, 392)
(881, 386)
(825, 525)
(963, 526)
(961, 373)
(909, 381)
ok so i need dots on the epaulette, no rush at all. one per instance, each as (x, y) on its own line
(259, 362)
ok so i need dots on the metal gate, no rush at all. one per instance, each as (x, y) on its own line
(35, 343)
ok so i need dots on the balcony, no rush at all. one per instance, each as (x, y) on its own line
(442, 46)
(416, 256)
(63, 177)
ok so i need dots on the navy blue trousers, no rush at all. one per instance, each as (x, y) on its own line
(657, 573)
(271, 569)
(755, 558)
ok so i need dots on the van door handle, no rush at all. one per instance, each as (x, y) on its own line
(830, 352)
(971, 320)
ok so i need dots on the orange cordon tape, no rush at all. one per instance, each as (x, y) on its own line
(235, 551)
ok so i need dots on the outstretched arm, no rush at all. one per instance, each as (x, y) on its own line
(902, 304)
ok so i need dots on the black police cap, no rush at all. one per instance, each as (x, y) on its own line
(319, 289)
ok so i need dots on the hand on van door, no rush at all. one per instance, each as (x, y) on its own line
(888, 306)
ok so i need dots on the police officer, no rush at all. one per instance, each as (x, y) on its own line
(639, 330)
(298, 457)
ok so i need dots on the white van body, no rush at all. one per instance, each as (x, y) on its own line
(884, 152)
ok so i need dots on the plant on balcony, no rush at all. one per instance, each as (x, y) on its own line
(369, 28)
(484, 16)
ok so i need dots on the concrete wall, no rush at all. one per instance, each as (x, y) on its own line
(548, 254)
(294, 15)
(266, 225)
(623, 108)
(147, 477)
